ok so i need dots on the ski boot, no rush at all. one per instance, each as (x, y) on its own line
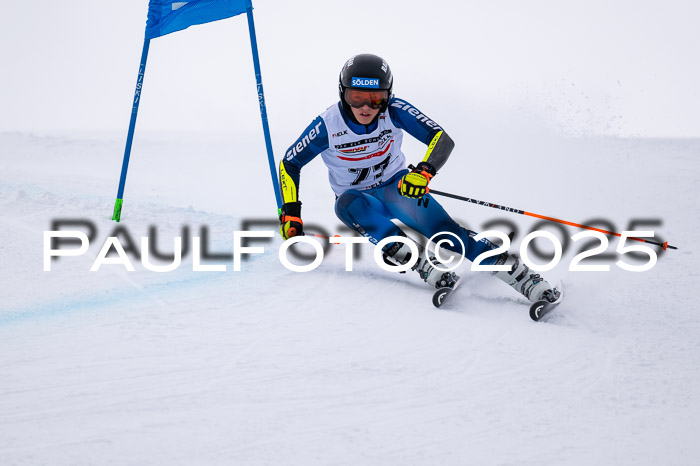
(529, 284)
(400, 254)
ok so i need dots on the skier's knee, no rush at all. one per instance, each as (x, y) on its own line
(344, 202)
(447, 233)
(346, 199)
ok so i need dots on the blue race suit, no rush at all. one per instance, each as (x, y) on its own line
(365, 165)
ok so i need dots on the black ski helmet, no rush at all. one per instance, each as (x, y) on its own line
(365, 71)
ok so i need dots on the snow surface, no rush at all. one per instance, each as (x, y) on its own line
(268, 366)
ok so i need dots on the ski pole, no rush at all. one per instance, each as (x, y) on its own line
(665, 245)
(329, 238)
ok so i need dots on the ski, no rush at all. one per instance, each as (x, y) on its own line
(539, 309)
(441, 295)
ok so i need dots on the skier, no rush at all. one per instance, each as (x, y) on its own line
(359, 139)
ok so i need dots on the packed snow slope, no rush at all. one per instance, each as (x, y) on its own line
(329, 367)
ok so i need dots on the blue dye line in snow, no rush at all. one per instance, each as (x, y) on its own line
(105, 298)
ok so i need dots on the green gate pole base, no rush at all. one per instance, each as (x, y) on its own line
(117, 215)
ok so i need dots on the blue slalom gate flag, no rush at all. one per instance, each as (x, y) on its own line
(165, 16)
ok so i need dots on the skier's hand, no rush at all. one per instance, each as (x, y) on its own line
(290, 220)
(415, 183)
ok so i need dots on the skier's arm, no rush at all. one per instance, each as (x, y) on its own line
(439, 150)
(312, 142)
(407, 117)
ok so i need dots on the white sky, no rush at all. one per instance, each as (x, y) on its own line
(628, 68)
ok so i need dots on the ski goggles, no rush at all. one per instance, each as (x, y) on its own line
(358, 99)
